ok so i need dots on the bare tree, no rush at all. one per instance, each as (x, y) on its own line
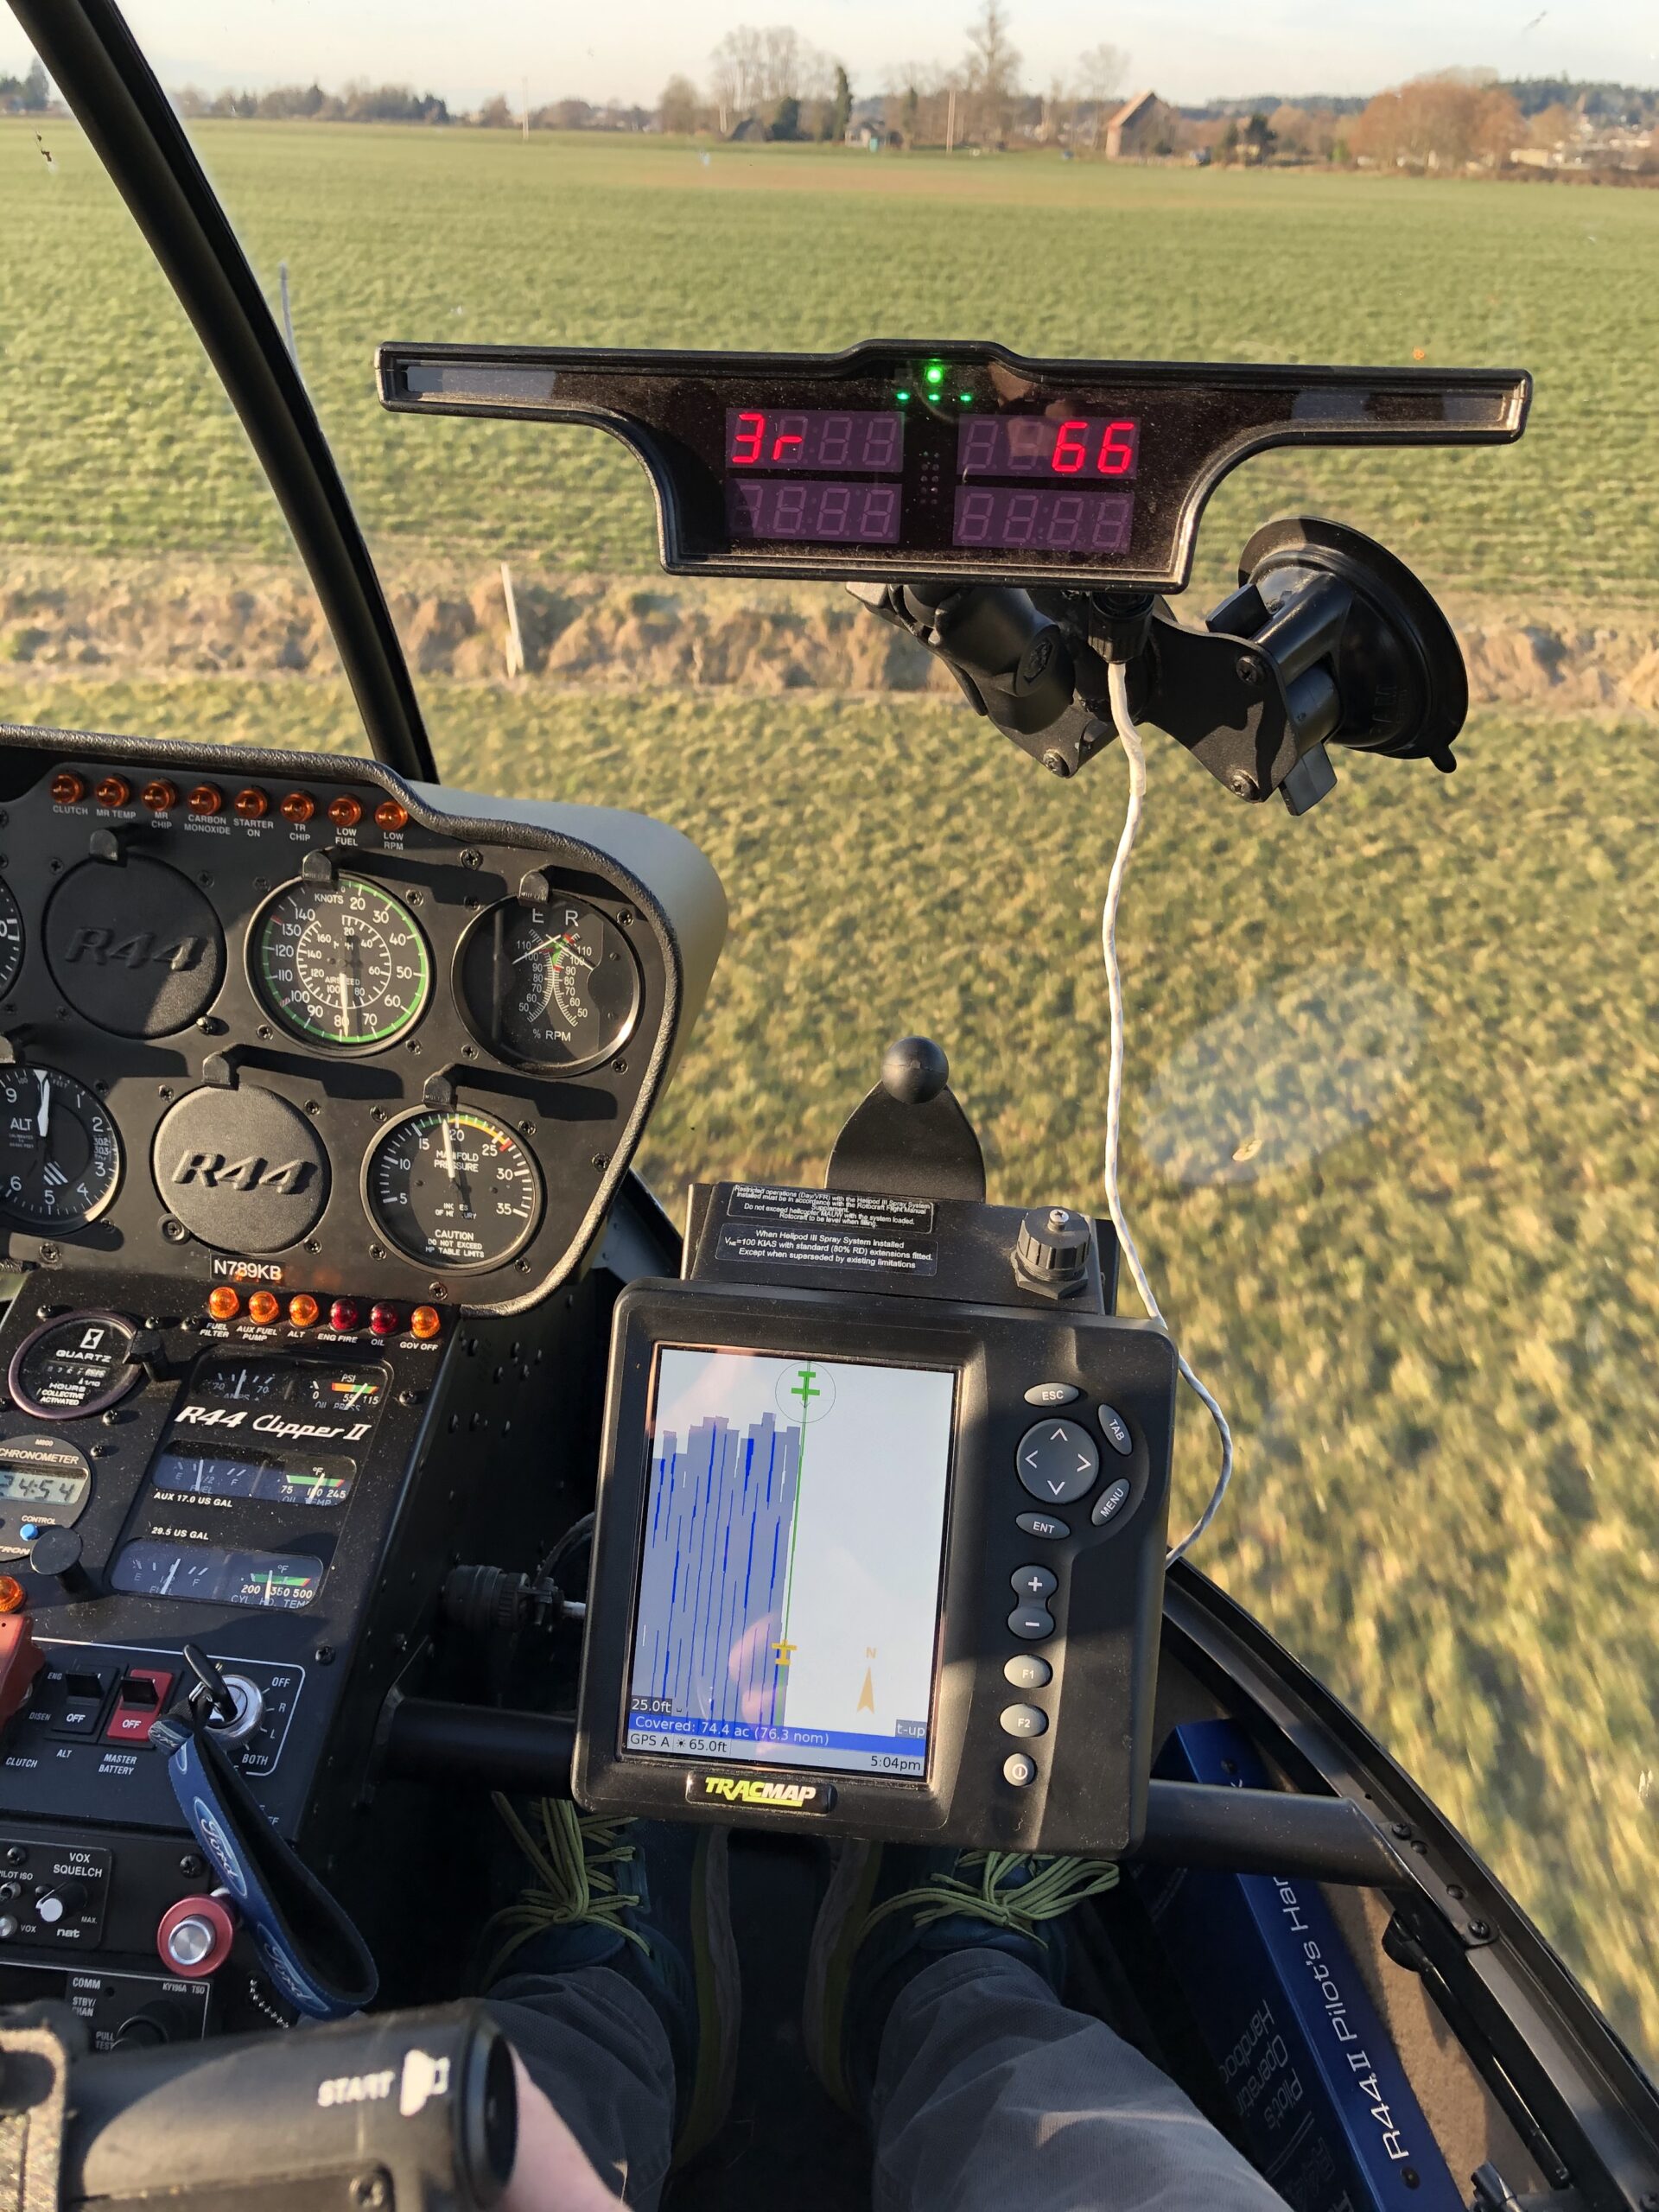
(676, 109)
(735, 75)
(1101, 71)
(993, 65)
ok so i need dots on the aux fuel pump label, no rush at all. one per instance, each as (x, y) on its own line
(766, 1227)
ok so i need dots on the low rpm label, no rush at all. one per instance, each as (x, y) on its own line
(840, 1230)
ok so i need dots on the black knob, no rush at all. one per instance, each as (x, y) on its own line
(152, 2024)
(914, 1070)
(56, 1552)
(1051, 1252)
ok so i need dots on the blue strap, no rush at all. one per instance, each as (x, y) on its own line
(306, 1945)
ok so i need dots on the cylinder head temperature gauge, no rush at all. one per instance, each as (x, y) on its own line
(453, 1188)
(554, 986)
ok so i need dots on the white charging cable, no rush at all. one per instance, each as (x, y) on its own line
(1134, 753)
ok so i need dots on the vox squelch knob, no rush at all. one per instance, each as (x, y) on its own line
(1051, 1254)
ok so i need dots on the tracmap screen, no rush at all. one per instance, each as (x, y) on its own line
(789, 1593)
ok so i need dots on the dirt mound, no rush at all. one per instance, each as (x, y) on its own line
(154, 619)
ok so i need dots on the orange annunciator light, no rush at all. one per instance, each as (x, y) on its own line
(264, 1306)
(303, 1309)
(425, 1321)
(223, 1304)
(12, 1595)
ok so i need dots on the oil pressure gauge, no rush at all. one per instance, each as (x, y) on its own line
(554, 986)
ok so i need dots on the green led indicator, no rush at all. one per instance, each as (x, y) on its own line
(966, 398)
(901, 396)
(935, 372)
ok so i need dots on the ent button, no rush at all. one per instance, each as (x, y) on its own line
(1058, 1461)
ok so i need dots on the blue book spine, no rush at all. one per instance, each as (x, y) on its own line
(1323, 2104)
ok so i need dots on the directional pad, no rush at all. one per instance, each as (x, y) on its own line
(1058, 1461)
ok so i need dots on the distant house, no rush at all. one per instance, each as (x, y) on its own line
(1139, 127)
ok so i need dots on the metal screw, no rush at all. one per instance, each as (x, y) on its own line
(1479, 1930)
(469, 1051)
(378, 1113)
(1241, 784)
(101, 1451)
(263, 1030)
(204, 879)
(619, 1067)
(370, 2190)
(1454, 1889)
(312, 1107)
(376, 1251)
(407, 1398)
(16, 1855)
(164, 1090)
(471, 857)
(1056, 763)
(324, 1654)
(598, 1160)
(1401, 1828)
(49, 1255)
(415, 899)
(528, 1128)
(435, 1290)
(1248, 671)
(190, 1865)
(312, 1246)
(624, 918)
(174, 1231)
(210, 1026)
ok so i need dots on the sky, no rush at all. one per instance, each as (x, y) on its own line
(1187, 50)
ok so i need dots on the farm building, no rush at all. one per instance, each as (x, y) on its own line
(1141, 126)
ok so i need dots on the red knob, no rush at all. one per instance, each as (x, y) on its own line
(194, 1937)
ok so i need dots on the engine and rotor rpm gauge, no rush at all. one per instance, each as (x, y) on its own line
(553, 986)
(60, 1155)
(340, 963)
(453, 1188)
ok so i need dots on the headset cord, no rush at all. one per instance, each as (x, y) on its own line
(1134, 753)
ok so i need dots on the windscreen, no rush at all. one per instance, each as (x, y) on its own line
(791, 1561)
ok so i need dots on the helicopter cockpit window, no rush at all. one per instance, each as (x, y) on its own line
(1389, 1133)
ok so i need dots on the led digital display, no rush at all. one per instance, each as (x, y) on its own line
(1004, 517)
(24, 1486)
(1084, 446)
(816, 440)
(820, 511)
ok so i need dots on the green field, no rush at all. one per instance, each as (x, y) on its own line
(1394, 1135)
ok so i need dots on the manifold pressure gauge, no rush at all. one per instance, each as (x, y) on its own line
(60, 1156)
(453, 1188)
(550, 986)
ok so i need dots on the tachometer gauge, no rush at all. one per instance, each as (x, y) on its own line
(340, 963)
(60, 1156)
(453, 1188)
(554, 986)
(11, 941)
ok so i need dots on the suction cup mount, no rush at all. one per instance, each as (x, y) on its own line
(1328, 640)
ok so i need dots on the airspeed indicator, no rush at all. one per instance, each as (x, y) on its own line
(453, 1188)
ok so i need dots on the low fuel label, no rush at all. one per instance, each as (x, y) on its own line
(843, 1231)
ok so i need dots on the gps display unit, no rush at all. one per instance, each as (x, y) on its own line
(890, 1565)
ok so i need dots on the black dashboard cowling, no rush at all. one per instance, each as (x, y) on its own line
(141, 870)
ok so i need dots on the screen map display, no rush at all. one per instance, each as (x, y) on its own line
(788, 1586)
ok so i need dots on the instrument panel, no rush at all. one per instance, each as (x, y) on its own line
(925, 460)
(279, 1018)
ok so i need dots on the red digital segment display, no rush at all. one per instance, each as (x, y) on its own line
(814, 439)
(1088, 447)
(818, 511)
(1006, 517)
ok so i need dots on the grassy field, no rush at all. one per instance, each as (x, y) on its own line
(1394, 1123)
(416, 235)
